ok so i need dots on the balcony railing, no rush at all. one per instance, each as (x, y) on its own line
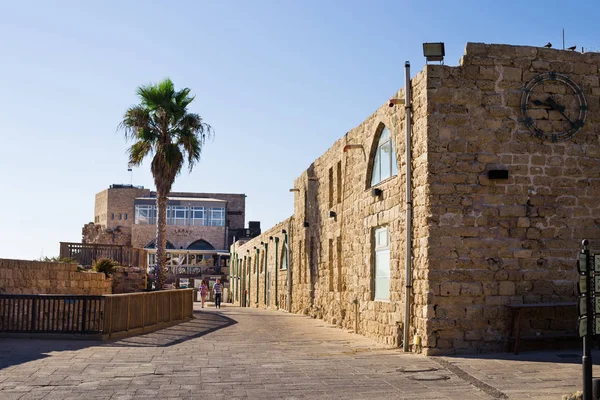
(88, 253)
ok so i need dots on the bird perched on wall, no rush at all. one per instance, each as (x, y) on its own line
(572, 48)
(548, 45)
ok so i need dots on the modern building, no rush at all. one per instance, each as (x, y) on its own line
(200, 226)
(420, 231)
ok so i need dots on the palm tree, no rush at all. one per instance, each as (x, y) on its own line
(161, 125)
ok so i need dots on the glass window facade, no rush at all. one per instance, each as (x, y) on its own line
(384, 162)
(217, 216)
(382, 264)
(181, 215)
(198, 215)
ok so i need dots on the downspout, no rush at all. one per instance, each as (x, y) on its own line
(266, 267)
(276, 271)
(408, 145)
(289, 269)
(256, 265)
(247, 277)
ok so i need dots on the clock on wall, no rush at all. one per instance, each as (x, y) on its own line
(553, 107)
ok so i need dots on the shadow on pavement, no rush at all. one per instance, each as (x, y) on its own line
(564, 356)
(14, 351)
(202, 324)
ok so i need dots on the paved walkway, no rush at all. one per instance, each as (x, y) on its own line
(241, 353)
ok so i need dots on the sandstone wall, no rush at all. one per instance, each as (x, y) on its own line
(332, 257)
(129, 280)
(478, 244)
(264, 254)
(96, 233)
(35, 277)
(495, 242)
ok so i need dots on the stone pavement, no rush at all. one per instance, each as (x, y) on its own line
(241, 353)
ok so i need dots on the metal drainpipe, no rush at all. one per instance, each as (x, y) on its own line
(256, 265)
(289, 269)
(266, 266)
(276, 271)
(408, 145)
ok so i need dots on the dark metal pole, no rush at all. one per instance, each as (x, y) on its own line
(587, 339)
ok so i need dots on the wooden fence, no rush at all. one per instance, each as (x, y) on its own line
(88, 253)
(46, 313)
(106, 317)
(133, 313)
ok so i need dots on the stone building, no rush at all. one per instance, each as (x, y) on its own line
(505, 161)
(200, 226)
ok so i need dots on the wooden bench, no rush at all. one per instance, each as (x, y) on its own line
(517, 311)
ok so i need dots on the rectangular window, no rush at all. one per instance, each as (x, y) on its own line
(284, 256)
(339, 263)
(217, 216)
(331, 265)
(330, 187)
(125, 216)
(112, 216)
(144, 214)
(120, 216)
(382, 264)
(339, 182)
(198, 216)
(179, 215)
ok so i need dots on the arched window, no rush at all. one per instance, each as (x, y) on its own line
(200, 245)
(152, 245)
(384, 160)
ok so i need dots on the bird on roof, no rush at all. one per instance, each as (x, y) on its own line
(572, 48)
(548, 45)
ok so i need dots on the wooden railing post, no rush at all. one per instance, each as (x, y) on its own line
(128, 311)
(83, 315)
(33, 313)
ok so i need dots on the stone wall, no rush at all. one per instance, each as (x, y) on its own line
(495, 242)
(129, 280)
(98, 234)
(35, 277)
(477, 244)
(263, 253)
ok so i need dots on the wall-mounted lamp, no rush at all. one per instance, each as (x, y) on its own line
(263, 243)
(332, 214)
(294, 190)
(434, 51)
(270, 237)
(393, 102)
(376, 192)
(283, 231)
(305, 224)
(254, 247)
(352, 146)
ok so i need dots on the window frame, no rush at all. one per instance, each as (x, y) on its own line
(380, 250)
(378, 172)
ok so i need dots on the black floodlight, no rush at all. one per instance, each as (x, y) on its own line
(434, 51)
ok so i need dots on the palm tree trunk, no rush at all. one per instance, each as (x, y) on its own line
(161, 240)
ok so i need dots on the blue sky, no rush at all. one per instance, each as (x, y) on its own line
(279, 81)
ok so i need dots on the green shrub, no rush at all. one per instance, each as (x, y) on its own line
(105, 265)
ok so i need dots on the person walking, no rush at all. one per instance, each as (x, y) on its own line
(218, 289)
(203, 292)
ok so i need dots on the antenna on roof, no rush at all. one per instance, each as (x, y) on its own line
(130, 169)
(563, 38)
